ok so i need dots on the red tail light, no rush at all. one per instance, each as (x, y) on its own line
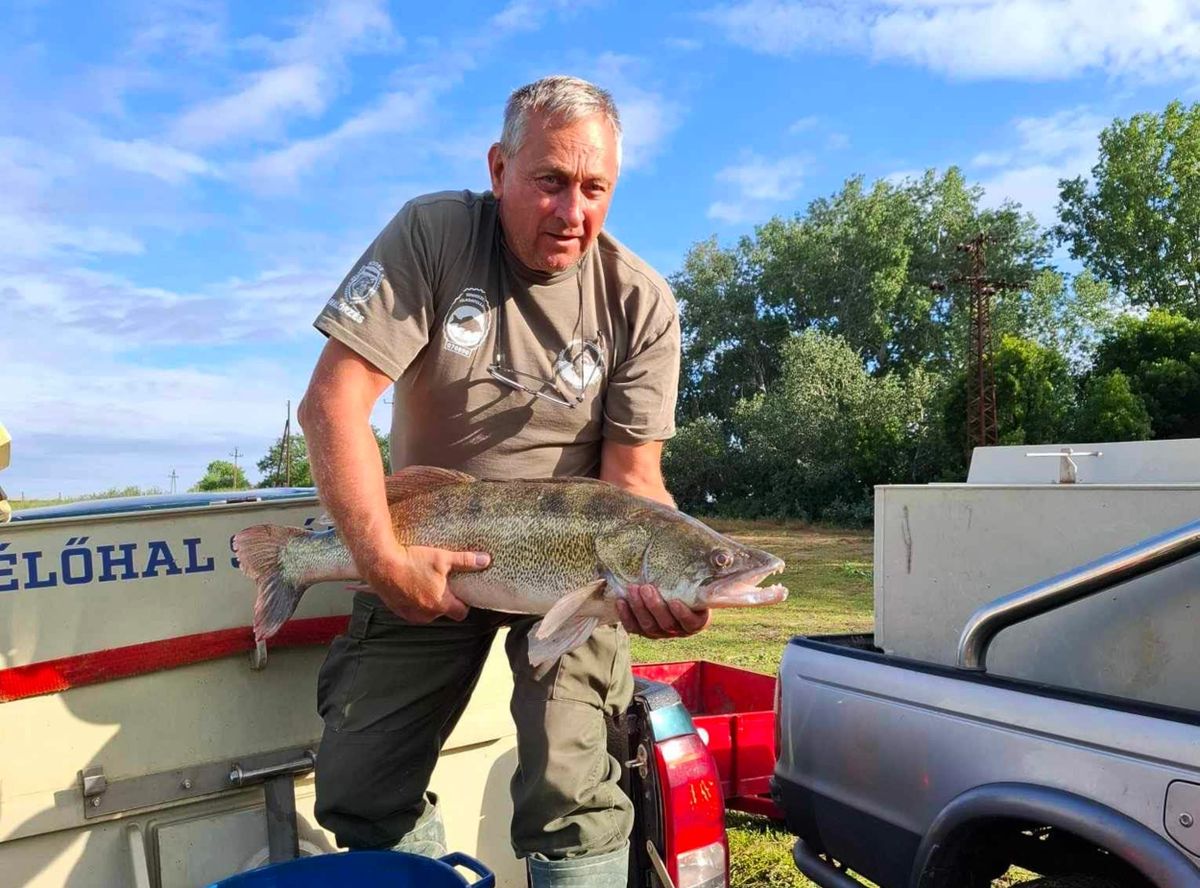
(697, 852)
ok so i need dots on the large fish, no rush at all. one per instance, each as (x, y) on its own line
(564, 548)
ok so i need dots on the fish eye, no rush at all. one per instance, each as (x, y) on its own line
(721, 559)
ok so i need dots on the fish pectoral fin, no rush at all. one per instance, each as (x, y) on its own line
(566, 607)
(568, 636)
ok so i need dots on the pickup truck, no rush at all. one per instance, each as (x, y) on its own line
(919, 773)
(145, 740)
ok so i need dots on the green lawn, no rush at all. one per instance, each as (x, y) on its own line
(828, 576)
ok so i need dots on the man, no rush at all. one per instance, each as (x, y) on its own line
(522, 342)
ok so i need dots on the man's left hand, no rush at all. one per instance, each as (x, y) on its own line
(644, 612)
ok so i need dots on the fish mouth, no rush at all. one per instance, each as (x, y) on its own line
(741, 589)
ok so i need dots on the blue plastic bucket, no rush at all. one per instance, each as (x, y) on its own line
(393, 869)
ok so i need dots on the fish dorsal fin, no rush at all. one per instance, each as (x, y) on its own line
(418, 479)
(566, 607)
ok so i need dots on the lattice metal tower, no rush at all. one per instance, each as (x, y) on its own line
(982, 427)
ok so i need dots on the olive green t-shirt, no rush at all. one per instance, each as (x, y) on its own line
(423, 305)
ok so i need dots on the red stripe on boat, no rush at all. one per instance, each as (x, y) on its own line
(52, 676)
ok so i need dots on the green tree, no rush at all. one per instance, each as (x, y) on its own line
(696, 464)
(1160, 357)
(816, 441)
(222, 475)
(273, 466)
(1137, 222)
(877, 266)
(1110, 411)
(1035, 397)
(383, 442)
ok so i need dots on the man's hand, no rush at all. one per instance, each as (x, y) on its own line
(412, 581)
(644, 612)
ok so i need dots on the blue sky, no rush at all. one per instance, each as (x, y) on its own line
(184, 182)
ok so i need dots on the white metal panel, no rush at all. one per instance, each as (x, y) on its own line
(943, 551)
(1124, 462)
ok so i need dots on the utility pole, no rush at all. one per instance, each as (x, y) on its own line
(173, 476)
(235, 456)
(982, 426)
(287, 446)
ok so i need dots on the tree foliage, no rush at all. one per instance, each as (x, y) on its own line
(1137, 222)
(274, 466)
(1159, 355)
(811, 444)
(1110, 411)
(879, 267)
(273, 469)
(222, 475)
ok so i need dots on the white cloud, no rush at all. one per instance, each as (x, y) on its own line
(76, 421)
(648, 118)
(27, 237)
(151, 159)
(305, 79)
(804, 124)
(257, 109)
(1025, 39)
(758, 183)
(395, 112)
(1058, 146)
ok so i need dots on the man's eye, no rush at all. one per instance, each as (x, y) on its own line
(548, 181)
(596, 189)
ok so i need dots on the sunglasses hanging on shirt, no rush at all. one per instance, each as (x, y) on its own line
(502, 371)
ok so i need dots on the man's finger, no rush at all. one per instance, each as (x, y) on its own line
(627, 618)
(691, 621)
(647, 625)
(455, 609)
(659, 611)
(469, 560)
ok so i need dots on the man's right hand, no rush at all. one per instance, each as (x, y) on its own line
(412, 581)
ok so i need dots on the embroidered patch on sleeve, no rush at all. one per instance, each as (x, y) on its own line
(363, 284)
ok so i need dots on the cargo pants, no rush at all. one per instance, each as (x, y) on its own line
(390, 692)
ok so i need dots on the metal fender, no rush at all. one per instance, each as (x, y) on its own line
(1144, 850)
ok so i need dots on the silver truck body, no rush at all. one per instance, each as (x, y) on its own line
(875, 750)
(903, 757)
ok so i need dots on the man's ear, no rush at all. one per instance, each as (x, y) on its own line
(496, 164)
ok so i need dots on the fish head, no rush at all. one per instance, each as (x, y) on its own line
(691, 562)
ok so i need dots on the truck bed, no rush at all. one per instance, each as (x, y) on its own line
(875, 749)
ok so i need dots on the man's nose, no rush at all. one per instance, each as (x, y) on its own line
(570, 207)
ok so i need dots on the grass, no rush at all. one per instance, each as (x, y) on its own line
(829, 578)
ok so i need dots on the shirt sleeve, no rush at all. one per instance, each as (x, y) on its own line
(384, 308)
(639, 405)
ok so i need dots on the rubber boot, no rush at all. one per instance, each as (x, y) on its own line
(428, 835)
(610, 870)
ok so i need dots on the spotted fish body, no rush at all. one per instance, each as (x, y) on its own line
(563, 548)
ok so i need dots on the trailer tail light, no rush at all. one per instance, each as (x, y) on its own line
(697, 851)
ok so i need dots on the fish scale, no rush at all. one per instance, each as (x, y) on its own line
(541, 534)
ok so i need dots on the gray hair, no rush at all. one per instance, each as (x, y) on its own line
(561, 98)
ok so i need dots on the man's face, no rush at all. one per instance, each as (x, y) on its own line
(555, 191)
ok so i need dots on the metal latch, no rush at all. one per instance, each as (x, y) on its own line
(1068, 470)
(642, 761)
(94, 784)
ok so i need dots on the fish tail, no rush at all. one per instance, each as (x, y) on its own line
(260, 551)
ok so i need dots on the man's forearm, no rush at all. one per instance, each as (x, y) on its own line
(348, 472)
